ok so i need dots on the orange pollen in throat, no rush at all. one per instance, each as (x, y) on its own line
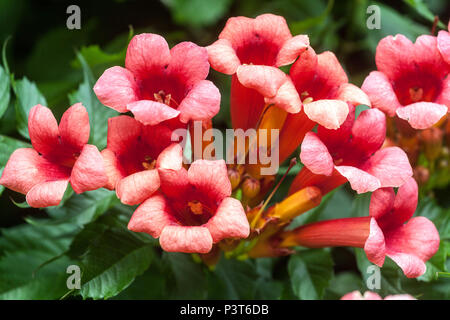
(149, 164)
(162, 97)
(196, 207)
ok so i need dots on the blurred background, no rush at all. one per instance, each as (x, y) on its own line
(41, 48)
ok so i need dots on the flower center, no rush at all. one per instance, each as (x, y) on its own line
(149, 163)
(416, 94)
(304, 96)
(162, 97)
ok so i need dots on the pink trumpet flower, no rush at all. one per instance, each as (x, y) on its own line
(326, 93)
(252, 50)
(161, 85)
(352, 153)
(369, 295)
(60, 155)
(388, 231)
(412, 80)
(194, 209)
(131, 157)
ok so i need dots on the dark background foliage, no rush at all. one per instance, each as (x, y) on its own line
(61, 66)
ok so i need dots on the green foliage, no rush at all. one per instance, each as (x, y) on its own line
(28, 95)
(197, 13)
(310, 272)
(5, 91)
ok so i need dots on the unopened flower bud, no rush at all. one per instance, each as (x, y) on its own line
(250, 188)
(235, 178)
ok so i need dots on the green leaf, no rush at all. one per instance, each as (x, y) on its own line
(197, 13)
(28, 95)
(189, 276)
(5, 91)
(437, 264)
(112, 262)
(110, 256)
(24, 273)
(234, 279)
(81, 209)
(392, 22)
(95, 56)
(421, 8)
(98, 113)
(342, 284)
(310, 272)
(428, 208)
(391, 274)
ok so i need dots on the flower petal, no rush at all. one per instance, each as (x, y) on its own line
(26, 168)
(74, 127)
(381, 93)
(356, 295)
(369, 131)
(137, 187)
(427, 56)
(147, 53)
(211, 178)
(350, 93)
(151, 112)
(360, 181)
(43, 129)
(375, 246)
(328, 113)
(273, 27)
(47, 194)
(329, 70)
(229, 221)
(112, 168)
(443, 40)
(171, 158)
(174, 183)
(201, 103)
(116, 88)
(444, 96)
(315, 156)
(88, 172)
(189, 63)
(123, 131)
(422, 115)
(400, 297)
(292, 49)
(381, 202)
(390, 165)
(406, 201)
(394, 56)
(186, 239)
(264, 79)
(412, 244)
(286, 98)
(222, 57)
(152, 216)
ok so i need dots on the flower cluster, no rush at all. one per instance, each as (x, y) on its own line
(208, 206)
